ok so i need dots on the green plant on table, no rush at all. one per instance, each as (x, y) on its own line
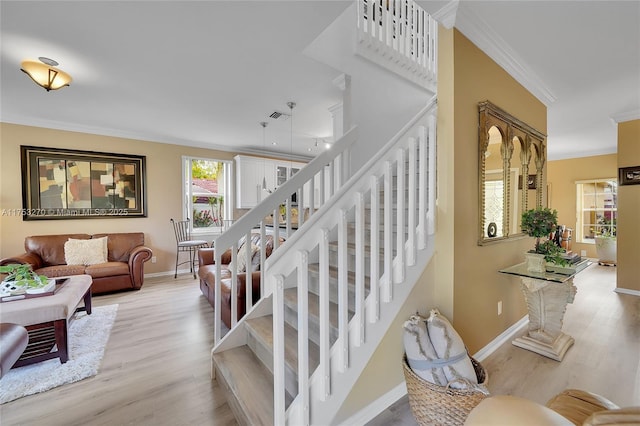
(23, 273)
(541, 222)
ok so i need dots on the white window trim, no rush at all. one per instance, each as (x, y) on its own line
(228, 194)
(579, 237)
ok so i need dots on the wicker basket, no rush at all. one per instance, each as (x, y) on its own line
(441, 405)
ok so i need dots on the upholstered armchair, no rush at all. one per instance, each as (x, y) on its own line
(570, 407)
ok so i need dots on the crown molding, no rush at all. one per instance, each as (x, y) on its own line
(568, 155)
(69, 127)
(482, 35)
(625, 116)
(447, 14)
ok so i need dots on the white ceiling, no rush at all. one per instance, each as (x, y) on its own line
(205, 73)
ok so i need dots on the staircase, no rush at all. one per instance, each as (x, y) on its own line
(330, 292)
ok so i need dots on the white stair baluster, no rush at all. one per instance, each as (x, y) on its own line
(234, 285)
(423, 188)
(411, 235)
(387, 293)
(278, 352)
(343, 293)
(303, 334)
(248, 281)
(359, 305)
(400, 206)
(374, 260)
(325, 323)
(217, 317)
(431, 218)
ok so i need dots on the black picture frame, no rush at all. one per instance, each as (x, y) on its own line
(531, 182)
(629, 175)
(74, 184)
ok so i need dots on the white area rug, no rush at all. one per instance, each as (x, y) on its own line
(88, 336)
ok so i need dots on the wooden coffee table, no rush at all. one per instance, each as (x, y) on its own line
(47, 319)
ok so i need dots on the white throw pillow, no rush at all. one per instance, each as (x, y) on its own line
(85, 252)
(449, 346)
(241, 258)
(420, 352)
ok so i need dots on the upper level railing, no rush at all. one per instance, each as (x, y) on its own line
(399, 35)
(313, 185)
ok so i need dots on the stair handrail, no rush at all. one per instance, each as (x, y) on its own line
(432, 103)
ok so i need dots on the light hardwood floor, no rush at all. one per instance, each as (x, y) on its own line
(155, 370)
(156, 365)
(604, 359)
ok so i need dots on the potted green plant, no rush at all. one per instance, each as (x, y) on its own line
(606, 243)
(540, 223)
(21, 278)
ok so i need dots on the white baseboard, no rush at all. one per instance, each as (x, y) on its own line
(374, 409)
(627, 291)
(166, 273)
(503, 337)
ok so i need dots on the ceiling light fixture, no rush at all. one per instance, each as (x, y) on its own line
(291, 105)
(44, 74)
(264, 151)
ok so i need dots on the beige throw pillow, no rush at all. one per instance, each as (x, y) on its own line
(85, 252)
(241, 258)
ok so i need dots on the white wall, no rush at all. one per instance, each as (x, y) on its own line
(382, 102)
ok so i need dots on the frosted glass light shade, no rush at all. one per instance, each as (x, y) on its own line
(46, 76)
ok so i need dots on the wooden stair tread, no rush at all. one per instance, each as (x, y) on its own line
(291, 299)
(262, 328)
(351, 248)
(249, 383)
(333, 274)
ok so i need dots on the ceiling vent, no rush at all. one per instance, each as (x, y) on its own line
(279, 115)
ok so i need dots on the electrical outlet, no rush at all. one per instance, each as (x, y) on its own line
(583, 253)
(153, 259)
(500, 307)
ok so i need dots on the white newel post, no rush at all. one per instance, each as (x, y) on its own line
(342, 119)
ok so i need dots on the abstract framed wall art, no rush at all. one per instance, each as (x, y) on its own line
(73, 184)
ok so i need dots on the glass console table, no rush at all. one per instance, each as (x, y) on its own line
(547, 295)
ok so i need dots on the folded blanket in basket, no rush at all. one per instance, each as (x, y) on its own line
(420, 351)
(449, 346)
(436, 353)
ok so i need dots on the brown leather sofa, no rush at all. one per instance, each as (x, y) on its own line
(207, 275)
(124, 269)
(570, 407)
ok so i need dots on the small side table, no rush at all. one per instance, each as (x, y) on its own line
(547, 295)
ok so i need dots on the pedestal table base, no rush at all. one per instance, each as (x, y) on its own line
(554, 351)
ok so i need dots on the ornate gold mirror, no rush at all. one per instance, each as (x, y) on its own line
(511, 157)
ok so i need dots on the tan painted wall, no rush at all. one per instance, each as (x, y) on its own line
(628, 208)
(163, 189)
(561, 180)
(445, 224)
(477, 284)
